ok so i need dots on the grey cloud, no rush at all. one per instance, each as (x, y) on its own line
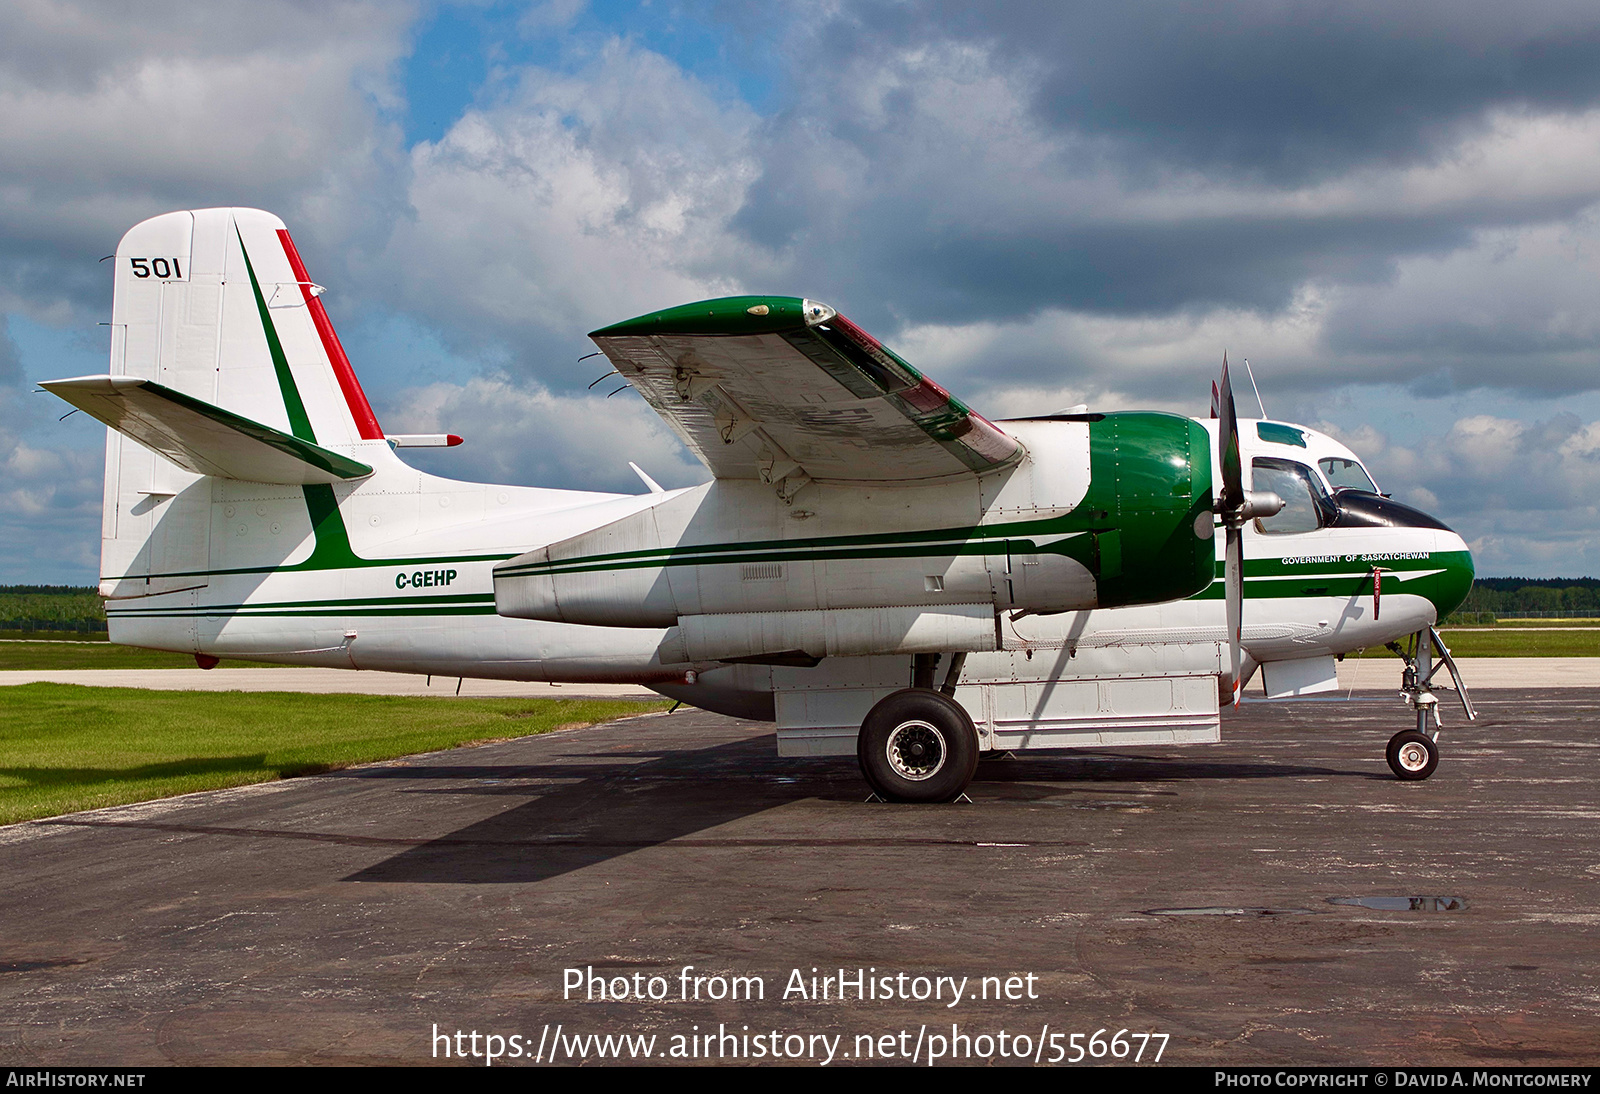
(1516, 310)
(1278, 89)
(50, 483)
(10, 363)
(110, 114)
(525, 435)
(943, 161)
(1521, 493)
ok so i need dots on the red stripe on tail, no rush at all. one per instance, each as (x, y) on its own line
(354, 397)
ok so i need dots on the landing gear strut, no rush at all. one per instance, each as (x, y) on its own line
(1414, 753)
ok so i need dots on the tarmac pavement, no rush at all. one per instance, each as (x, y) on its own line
(1209, 896)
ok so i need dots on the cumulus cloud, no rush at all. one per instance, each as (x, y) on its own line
(579, 200)
(49, 495)
(1281, 91)
(1058, 357)
(1514, 310)
(529, 436)
(1522, 493)
(940, 163)
(1038, 204)
(110, 114)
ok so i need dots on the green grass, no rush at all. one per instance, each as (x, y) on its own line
(1533, 642)
(59, 656)
(1499, 642)
(65, 748)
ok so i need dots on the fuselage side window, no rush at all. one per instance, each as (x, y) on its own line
(1347, 474)
(1293, 482)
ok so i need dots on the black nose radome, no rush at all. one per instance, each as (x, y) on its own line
(1359, 509)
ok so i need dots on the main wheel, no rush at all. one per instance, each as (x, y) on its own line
(1412, 755)
(918, 745)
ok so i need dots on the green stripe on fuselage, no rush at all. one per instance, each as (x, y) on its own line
(1445, 578)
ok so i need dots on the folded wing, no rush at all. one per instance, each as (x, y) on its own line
(787, 391)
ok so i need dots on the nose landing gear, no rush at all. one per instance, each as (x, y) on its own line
(1414, 753)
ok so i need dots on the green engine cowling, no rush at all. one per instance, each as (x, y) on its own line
(1150, 507)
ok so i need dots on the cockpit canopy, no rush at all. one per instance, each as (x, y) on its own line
(1322, 483)
(1308, 504)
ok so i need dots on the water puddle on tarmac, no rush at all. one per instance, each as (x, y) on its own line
(1404, 903)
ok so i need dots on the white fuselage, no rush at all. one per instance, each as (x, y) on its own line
(403, 581)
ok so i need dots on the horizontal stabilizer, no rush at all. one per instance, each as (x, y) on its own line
(200, 437)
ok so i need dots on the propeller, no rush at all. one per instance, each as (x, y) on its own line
(1236, 506)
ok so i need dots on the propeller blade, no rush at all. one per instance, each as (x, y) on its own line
(1233, 584)
(1377, 587)
(1228, 446)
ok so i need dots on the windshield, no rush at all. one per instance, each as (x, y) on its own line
(1347, 474)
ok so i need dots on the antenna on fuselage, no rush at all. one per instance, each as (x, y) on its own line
(1251, 373)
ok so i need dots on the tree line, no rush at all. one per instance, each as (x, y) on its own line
(1525, 596)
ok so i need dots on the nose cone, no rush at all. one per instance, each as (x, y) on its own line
(1450, 587)
(1447, 588)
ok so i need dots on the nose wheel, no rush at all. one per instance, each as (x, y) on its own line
(1412, 755)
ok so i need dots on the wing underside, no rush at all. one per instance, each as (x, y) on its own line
(786, 391)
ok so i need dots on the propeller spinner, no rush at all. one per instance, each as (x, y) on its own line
(1235, 506)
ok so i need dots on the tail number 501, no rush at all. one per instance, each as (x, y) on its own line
(162, 269)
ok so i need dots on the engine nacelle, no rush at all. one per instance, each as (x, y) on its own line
(1105, 510)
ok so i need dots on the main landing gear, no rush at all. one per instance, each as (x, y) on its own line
(1414, 753)
(919, 744)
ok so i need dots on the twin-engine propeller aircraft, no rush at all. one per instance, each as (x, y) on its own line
(874, 566)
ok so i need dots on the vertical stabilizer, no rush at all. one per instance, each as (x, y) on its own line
(215, 304)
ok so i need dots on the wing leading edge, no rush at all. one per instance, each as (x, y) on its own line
(787, 391)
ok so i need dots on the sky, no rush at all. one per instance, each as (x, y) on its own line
(1392, 211)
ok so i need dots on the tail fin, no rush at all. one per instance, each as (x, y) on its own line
(215, 305)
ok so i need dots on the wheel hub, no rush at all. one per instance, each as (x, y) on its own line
(916, 750)
(1413, 757)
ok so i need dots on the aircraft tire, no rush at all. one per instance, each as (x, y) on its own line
(1412, 755)
(918, 745)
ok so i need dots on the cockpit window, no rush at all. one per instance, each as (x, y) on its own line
(1347, 474)
(1294, 483)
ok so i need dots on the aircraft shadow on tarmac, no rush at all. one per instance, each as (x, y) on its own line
(611, 804)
